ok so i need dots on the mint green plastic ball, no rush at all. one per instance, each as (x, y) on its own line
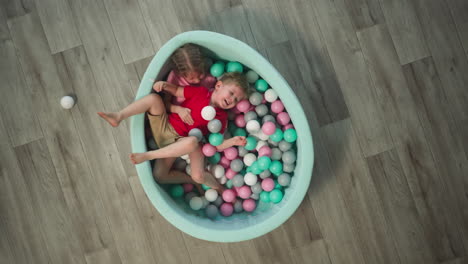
(277, 136)
(251, 143)
(217, 69)
(264, 163)
(290, 135)
(234, 66)
(176, 191)
(265, 197)
(240, 132)
(215, 158)
(276, 167)
(216, 139)
(276, 196)
(255, 168)
(205, 187)
(229, 184)
(261, 85)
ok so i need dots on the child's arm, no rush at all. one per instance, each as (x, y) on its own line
(183, 112)
(172, 89)
(234, 141)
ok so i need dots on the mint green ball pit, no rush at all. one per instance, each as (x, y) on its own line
(267, 216)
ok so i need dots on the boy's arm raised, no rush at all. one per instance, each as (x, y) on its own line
(172, 89)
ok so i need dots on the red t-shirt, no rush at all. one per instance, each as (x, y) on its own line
(195, 99)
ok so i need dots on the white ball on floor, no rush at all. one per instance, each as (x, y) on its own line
(211, 195)
(67, 102)
(195, 132)
(251, 76)
(208, 113)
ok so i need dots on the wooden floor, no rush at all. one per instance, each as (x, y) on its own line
(384, 84)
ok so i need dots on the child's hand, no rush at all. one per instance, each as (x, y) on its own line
(185, 115)
(159, 86)
(238, 141)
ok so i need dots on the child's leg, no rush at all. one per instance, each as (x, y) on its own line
(151, 103)
(180, 147)
(163, 174)
(199, 174)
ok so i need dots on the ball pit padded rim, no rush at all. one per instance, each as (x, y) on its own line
(204, 228)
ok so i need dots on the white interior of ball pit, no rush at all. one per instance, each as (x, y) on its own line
(266, 217)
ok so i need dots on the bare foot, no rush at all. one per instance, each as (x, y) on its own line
(137, 158)
(111, 118)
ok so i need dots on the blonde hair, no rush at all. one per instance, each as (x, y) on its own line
(237, 79)
(189, 58)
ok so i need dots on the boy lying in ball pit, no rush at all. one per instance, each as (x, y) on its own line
(172, 134)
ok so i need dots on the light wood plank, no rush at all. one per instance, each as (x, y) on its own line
(353, 76)
(364, 13)
(58, 24)
(314, 252)
(400, 209)
(240, 253)
(405, 30)
(449, 57)
(15, 8)
(459, 9)
(201, 251)
(196, 15)
(313, 60)
(272, 247)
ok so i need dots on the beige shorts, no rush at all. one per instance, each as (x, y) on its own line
(163, 132)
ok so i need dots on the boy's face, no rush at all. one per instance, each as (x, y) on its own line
(226, 96)
(194, 77)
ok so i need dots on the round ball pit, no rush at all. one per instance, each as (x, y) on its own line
(266, 216)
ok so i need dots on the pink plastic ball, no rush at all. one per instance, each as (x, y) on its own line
(231, 153)
(265, 151)
(269, 128)
(208, 150)
(277, 107)
(268, 184)
(288, 126)
(251, 108)
(283, 118)
(235, 110)
(240, 121)
(244, 192)
(188, 187)
(230, 174)
(229, 195)
(243, 106)
(264, 101)
(249, 205)
(226, 209)
(225, 162)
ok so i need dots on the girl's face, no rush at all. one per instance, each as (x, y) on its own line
(226, 96)
(194, 77)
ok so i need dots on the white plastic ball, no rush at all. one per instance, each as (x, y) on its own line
(273, 143)
(250, 179)
(205, 202)
(242, 151)
(189, 196)
(260, 144)
(289, 168)
(185, 157)
(284, 145)
(261, 110)
(251, 76)
(67, 102)
(262, 136)
(188, 170)
(249, 159)
(195, 132)
(288, 157)
(284, 179)
(222, 180)
(214, 126)
(256, 98)
(211, 195)
(218, 171)
(196, 203)
(208, 113)
(253, 126)
(271, 95)
(276, 154)
(251, 115)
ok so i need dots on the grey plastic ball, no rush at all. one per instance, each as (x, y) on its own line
(218, 201)
(189, 196)
(284, 145)
(256, 188)
(256, 98)
(268, 118)
(238, 206)
(284, 179)
(289, 167)
(238, 180)
(288, 157)
(255, 196)
(214, 126)
(265, 174)
(261, 110)
(195, 132)
(211, 211)
(237, 165)
(276, 154)
(273, 143)
(242, 151)
(251, 115)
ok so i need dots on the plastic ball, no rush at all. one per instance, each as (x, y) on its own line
(196, 203)
(273, 143)
(242, 151)
(251, 143)
(256, 188)
(238, 180)
(287, 126)
(243, 106)
(237, 165)
(230, 173)
(255, 168)
(261, 110)
(238, 206)
(250, 115)
(215, 158)
(276, 196)
(234, 66)
(176, 191)
(265, 197)
(284, 179)
(261, 85)
(217, 69)
(211, 211)
(288, 157)
(208, 150)
(283, 118)
(284, 146)
(205, 187)
(264, 151)
(265, 174)
(214, 126)
(189, 196)
(205, 202)
(222, 180)
(261, 144)
(208, 113)
(253, 126)
(67, 102)
(225, 162)
(217, 171)
(268, 184)
(240, 132)
(216, 139)
(229, 184)
(218, 201)
(211, 195)
(264, 163)
(230, 153)
(271, 95)
(277, 136)
(255, 196)
(188, 187)
(255, 98)
(262, 136)
(289, 168)
(226, 209)
(276, 167)
(244, 192)
(229, 195)
(251, 76)
(240, 121)
(290, 135)
(277, 107)
(268, 118)
(269, 128)
(249, 159)
(250, 179)
(195, 132)
(276, 154)
(249, 205)
(188, 170)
